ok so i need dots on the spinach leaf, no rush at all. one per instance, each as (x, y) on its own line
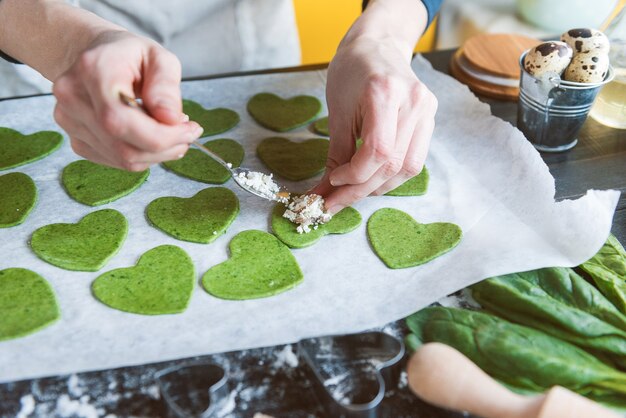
(608, 270)
(561, 303)
(518, 356)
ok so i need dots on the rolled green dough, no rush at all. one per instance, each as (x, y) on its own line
(18, 197)
(401, 242)
(94, 184)
(347, 220)
(320, 126)
(213, 121)
(294, 160)
(201, 218)
(416, 186)
(27, 303)
(283, 115)
(84, 246)
(198, 166)
(161, 283)
(17, 149)
(260, 266)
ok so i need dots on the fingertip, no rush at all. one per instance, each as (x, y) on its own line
(334, 179)
(164, 112)
(333, 210)
(195, 128)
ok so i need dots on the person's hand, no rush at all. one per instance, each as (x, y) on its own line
(373, 94)
(105, 130)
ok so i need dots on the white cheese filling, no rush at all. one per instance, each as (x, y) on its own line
(307, 211)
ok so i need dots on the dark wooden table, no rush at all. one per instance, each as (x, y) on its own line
(261, 382)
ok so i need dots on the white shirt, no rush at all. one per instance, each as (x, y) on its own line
(208, 36)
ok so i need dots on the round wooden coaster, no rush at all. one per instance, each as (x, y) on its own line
(497, 54)
(479, 86)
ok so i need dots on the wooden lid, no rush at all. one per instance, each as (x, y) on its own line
(480, 86)
(497, 54)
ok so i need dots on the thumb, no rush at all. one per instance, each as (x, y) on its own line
(324, 188)
(161, 87)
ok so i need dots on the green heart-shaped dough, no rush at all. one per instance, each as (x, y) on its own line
(84, 246)
(282, 115)
(213, 121)
(19, 195)
(415, 186)
(320, 126)
(260, 266)
(17, 149)
(400, 241)
(161, 283)
(294, 160)
(27, 303)
(201, 218)
(94, 184)
(198, 166)
(346, 220)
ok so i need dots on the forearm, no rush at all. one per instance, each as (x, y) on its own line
(400, 22)
(48, 35)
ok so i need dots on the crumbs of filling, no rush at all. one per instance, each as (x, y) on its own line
(307, 211)
(264, 185)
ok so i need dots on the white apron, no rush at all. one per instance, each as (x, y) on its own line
(208, 36)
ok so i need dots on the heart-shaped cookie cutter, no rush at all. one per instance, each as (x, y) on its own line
(196, 389)
(349, 375)
(330, 360)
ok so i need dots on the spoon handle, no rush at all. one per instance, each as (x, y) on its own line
(132, 102)
(212, 155)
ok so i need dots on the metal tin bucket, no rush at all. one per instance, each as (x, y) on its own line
(551, 111)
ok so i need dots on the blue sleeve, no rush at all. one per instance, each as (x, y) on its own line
(432, 7)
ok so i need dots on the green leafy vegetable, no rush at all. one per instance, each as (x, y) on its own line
(522, 358)
(608, 271)
(561, 303)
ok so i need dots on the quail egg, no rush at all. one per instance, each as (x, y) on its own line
(586, 40)
(587, 67)
(548, 57)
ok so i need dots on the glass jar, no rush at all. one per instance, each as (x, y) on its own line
(610, 105)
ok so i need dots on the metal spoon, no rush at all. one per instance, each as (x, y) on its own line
(239, 174)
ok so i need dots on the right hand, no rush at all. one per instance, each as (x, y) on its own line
(105, 130)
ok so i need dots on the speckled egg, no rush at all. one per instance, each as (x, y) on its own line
(587, 67)
(586, 40)
(548, 57)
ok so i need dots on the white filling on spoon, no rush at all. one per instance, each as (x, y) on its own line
(264, 185)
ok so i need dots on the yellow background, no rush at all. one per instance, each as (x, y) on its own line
(322, 24)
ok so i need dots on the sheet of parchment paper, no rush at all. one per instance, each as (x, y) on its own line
(485, 177)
